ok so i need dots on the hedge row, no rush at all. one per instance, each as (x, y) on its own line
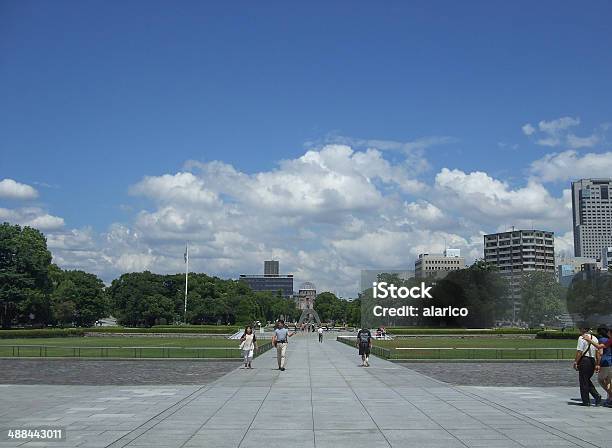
(224, 328)
(558, 334)
(434, 331)
(191, 329)
(42, 333)
(65, 332)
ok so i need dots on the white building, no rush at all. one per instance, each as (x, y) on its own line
(592, 216)
(438, 265)
(519, 251)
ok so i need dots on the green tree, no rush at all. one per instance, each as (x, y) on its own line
(63, 301)
(354, 312)
(155, 309)
(131, 293)
(324, 305)
(24, 276)
(589, 296)
(85, 292)
(542, 298)
(248, 311)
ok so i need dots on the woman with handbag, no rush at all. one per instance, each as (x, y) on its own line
(248, 343)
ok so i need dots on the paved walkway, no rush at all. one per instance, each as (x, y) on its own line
(323, 399)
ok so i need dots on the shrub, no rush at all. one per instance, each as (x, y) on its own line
(169, 330)
(42, 333)
(573, 334)
(467, 331)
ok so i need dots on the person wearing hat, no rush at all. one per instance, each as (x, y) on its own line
(586, 363)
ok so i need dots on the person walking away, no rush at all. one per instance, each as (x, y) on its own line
(280, 339)
(248, 344)
(320, 330)
(364, 339)
(587, 362)
(605, 371)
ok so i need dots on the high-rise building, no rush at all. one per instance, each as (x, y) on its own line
(568, 267)
(592, 216)
(606, 258)
(438, 265)
(369, 276)
(272, 282)
(271, 267)
(517, 252)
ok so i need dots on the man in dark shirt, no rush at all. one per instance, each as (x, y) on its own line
(364, 340)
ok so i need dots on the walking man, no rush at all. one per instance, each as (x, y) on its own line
(605, 372)
(280, 339)
(586, 363)
(320, 334)
(364, 339)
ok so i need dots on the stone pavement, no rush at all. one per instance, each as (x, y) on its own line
(112, 371)
(323, 399)
(534, 373)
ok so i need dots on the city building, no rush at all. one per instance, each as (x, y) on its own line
(568, 267)
(606, 258)
(438, 265)
(369, 276)
(519, 251)
(306, 296)
(271, 281)
(592, 216)
(271, 267)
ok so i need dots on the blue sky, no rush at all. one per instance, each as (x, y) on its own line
(98, 95)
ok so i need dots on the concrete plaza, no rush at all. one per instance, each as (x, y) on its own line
(323, 399)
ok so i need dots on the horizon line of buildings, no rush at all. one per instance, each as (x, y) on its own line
(513, 252)
(273, 281)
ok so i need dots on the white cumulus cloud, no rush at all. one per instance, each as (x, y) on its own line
(570, 165)
(11, 189)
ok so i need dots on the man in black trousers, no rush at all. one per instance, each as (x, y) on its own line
(586, 363)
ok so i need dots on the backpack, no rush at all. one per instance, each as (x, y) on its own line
(364, 336)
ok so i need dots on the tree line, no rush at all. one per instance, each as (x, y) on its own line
(485, 292)
(35, 292)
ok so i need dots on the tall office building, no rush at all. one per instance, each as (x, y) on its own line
(271, 267)
(517, 252)
(438, 265)
(271, 281)
(606, 258)
(592, 213)
(568, 267)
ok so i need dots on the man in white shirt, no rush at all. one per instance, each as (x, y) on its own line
(586, 363)
(320, 330)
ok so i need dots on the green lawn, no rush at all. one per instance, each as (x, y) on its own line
(478, 348)
(485, 342)
(121, 347)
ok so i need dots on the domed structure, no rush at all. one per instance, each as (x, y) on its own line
(307, 286)
(306, 296)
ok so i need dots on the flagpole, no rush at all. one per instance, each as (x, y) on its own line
(186, 281)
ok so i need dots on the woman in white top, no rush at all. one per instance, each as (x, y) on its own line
(248, 343)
